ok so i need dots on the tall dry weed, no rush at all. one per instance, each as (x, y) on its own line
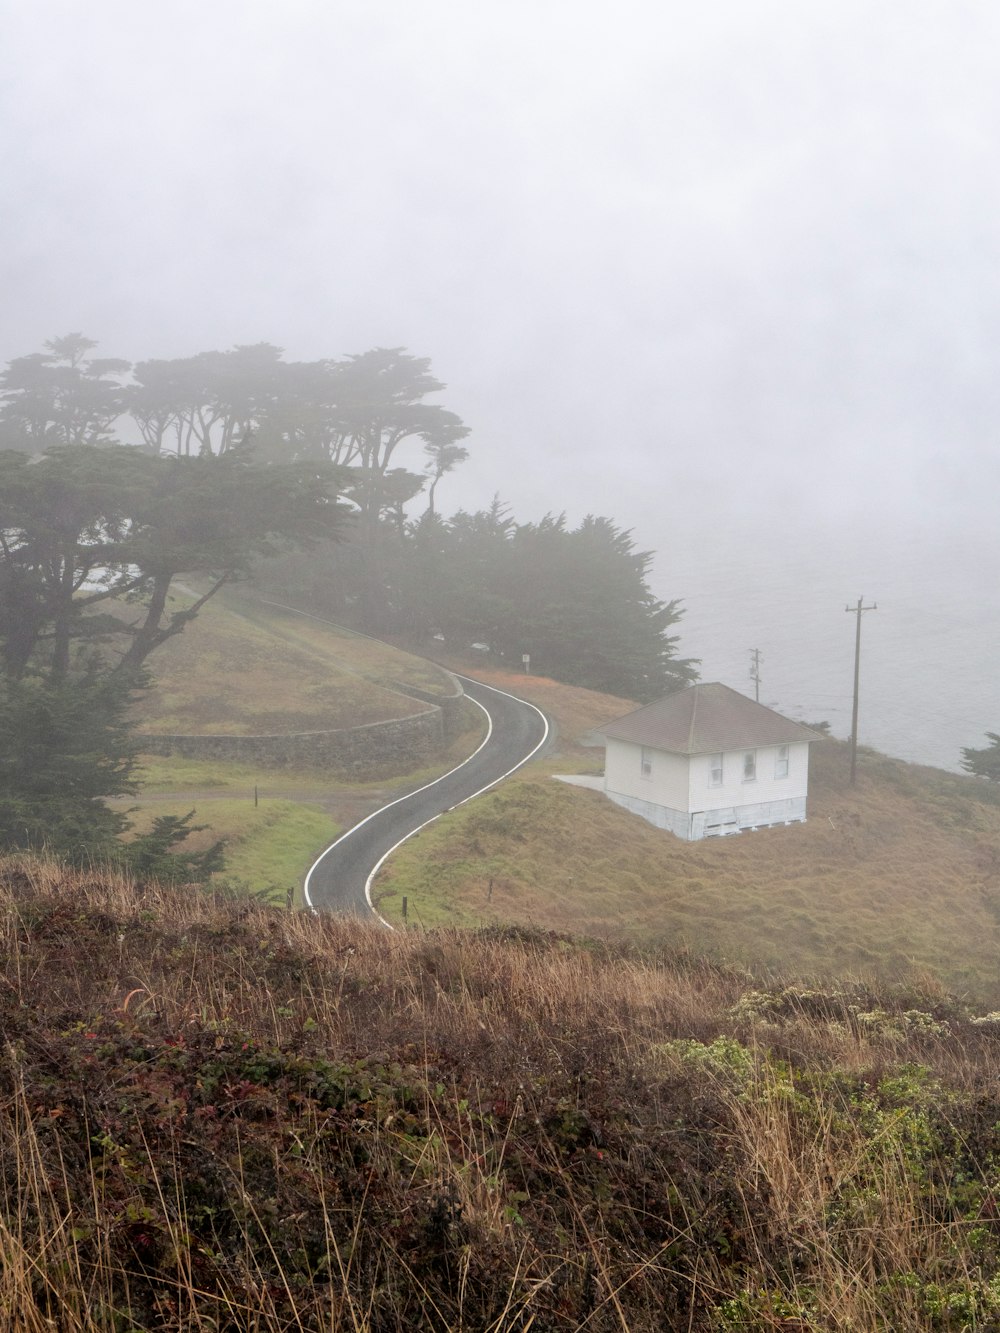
(217, 1115)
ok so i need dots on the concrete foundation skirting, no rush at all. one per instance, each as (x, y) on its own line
(714, 823)
(674, 821)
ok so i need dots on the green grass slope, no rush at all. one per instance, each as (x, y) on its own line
(269, 844)
(244, 667)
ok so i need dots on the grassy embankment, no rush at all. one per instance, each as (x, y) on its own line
(242, 668)
(215, 1115)
(896, 877)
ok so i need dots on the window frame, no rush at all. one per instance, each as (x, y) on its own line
(782, 762)
(749, 765)
(716, 771)
(645, 762)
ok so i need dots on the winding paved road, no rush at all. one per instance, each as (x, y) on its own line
(340, 880)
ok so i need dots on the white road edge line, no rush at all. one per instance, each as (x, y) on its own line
(425, 787)
(472, 796)
(361, 823)
(489, 732)
(385, 856)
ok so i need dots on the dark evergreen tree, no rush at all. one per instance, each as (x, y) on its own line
(60, 396)
(576, 600)
(152, 855)
(584, 611)
(985, 763)
(65, 746)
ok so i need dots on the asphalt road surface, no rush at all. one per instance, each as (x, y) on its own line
(340, 880)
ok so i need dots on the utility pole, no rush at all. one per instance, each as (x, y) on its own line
(755, 672)
(857, 610)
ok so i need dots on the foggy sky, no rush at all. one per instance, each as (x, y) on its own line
(727, 273)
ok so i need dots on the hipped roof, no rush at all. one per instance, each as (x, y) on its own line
(706, 719)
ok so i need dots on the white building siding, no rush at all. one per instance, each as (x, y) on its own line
(765, 787)
(675, 792)
(667, 783)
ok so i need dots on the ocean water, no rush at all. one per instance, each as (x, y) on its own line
(930, 653)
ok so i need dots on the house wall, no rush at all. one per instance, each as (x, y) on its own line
(735, 792)
(667, 785)
(674, 821)
(736, 818)
(677, 795)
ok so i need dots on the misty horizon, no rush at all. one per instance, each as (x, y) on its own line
(727, 277)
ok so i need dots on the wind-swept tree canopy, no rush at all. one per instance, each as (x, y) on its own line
(358, 413)
(985, 763)
(81, 526)
(207, 403)
(60, 396)
(361, 413)
(576, 600)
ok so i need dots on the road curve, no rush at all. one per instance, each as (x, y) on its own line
(340, 880)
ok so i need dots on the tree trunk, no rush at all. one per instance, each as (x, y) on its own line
(152, 632)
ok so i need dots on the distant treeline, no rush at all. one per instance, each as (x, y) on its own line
(575, 600)
(354, 413)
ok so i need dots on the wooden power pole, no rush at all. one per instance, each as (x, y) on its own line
(857, 610)
(755, 672)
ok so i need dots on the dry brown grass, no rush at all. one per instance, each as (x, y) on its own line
(243, 668)
(894, 878)
(219, 1116)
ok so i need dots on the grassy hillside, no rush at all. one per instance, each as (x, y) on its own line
(243, 667)
(268, 846)
(895, 877)
(215, 1116)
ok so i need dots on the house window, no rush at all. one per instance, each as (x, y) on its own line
(749, 765)
(781, 762)
(715, 770)
(646, 762)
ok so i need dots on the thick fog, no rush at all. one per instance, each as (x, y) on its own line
(727, 273)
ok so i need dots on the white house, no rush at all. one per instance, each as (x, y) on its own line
(706, 761)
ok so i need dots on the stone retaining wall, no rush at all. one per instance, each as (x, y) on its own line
(375, 750)
(452, 706)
